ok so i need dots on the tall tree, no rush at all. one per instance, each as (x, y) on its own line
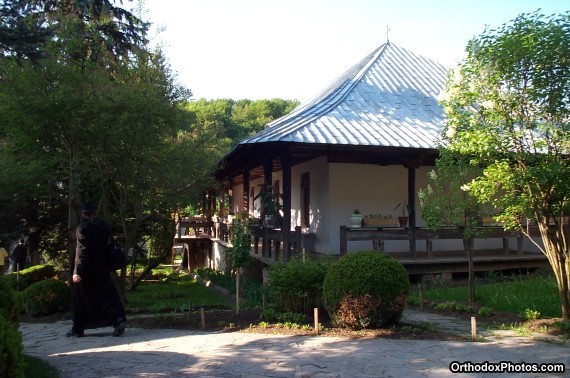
(236, 120)
(508, 108)
(22, 34)
(445, 203)
(85, 29)
(95, 117)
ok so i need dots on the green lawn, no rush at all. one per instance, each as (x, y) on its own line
(508, 294)
(37, 368)
(172, 294)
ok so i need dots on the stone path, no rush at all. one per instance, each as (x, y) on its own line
(176, 353)
(461, 327)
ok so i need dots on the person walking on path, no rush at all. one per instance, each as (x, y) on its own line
(3, 255)
(19, 256)
(96, 302)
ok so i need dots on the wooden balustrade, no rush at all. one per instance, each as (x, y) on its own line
(380, 234)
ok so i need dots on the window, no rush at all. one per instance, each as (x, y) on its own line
(305, 199)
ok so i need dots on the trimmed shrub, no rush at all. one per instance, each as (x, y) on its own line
(15, 282)
(11, 350)
(46, 297)
(366, 289)
(271, 315)
(30, 275)
(38, 273)
(9, 305)
(297, 285)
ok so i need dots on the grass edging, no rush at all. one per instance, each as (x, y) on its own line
(217, 289)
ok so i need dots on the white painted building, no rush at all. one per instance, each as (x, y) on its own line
(367, 142)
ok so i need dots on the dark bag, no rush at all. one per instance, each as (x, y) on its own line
(116, 258)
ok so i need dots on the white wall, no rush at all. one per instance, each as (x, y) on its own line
(237, 194)
(218, 261)
(237, 198)
(372, 189)
(319, 201)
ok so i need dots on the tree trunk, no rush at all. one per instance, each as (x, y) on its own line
(468, 248)
(72, 220)
(147, 270)
(556, 250)
(237, 291)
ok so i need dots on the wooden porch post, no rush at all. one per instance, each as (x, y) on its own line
(245, 206)
(213, 196)
(231, 203)
(286, 228)
(267, 176)
(343, 240)
(412, 208)
(204, 203)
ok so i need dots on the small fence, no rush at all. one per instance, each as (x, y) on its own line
(278, 244)
(380, 234)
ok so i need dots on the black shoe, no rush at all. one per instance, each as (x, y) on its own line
(119, 328)
(73, 333)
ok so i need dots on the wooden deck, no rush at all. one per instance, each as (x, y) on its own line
(196, 253)
(267, 248)
(432, 261)
(483, 261)
(451, 262)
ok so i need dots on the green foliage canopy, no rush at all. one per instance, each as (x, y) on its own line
(445, 203)
(231, 120)
(85, 30)
(508, 112)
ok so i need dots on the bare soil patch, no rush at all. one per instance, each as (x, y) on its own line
(498, 319)
(250, 321)
(495, 319)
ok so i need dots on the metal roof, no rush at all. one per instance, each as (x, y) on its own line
(388, 99)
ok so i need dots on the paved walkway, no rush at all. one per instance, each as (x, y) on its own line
(176, 353)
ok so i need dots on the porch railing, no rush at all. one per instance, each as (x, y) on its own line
(380, 234)
(272, 242)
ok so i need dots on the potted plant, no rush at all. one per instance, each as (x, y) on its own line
(356, 219)
(403, 219)
(270, 206)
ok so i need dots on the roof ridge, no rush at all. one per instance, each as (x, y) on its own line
(392, 83)
(343, 84)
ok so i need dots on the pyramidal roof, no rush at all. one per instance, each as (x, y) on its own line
(388, 99)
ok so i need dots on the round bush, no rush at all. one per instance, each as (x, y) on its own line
(298, 284)
(9, 308)
(366, 289)
(11, 350)
(46, 297)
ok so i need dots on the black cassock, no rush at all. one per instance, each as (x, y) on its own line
(96, 302)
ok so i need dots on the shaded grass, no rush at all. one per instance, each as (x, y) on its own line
(253, 293)
(172, 294)
(37, 368)
(512, 294)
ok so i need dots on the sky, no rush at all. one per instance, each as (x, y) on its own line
(292, 49)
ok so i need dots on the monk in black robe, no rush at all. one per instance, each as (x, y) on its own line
(96, 302)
